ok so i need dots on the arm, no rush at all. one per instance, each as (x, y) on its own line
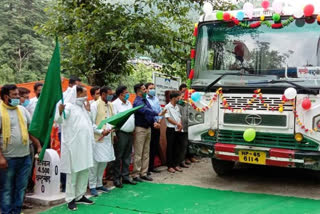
(94, 112)
(36, 142)
(3, 161)
(59, 116)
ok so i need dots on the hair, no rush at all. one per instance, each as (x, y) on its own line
(174, 94)
(23, 91)
(79, 89)
(137, 87)
(93, 90)
(120, 90)
(5, 90)
(105, 89)
(148, 84)
(74, 79)
(183, 85)
(37, 85)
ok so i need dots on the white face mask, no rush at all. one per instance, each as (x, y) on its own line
(80, 100)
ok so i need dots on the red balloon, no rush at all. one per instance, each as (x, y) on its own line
(226, 16)
(308, 10)
(306, 104)
(265, 4)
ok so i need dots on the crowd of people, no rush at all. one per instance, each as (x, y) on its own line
(86, 147)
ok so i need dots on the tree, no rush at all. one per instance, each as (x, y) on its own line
(24, 55)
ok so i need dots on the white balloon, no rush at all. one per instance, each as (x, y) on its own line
(277, 6)
(290, 93)
(248, 9)
(298, 13)
(207, 8)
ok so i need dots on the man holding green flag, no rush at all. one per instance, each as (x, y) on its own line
(51, 94)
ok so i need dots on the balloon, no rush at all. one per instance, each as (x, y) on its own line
(262, 18)
(318, 18)
(240, 15)
(276, 17)
(310, 20)
(308, 10)
(196, 97)
(306, 104)
(219, 15)
(277, 6)
(265, 4)
(207, 8)
(298, 13)
(290, 93)
(249, 135)
(226, 16)
(248, 9)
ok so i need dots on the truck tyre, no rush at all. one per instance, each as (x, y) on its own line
(222, 167)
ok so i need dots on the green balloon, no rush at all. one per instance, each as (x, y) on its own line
(219, 15)
(276, 17)
(249, 135)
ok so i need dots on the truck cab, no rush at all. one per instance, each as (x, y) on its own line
(254, 89)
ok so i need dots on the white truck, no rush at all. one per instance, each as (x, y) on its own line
(258, 74)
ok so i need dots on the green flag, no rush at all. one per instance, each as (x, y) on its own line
(51, 94)
(119, 119)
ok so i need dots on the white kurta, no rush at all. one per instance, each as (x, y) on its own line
(102, 151)
(76, 139)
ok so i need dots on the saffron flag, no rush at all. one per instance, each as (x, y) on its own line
(51, 94)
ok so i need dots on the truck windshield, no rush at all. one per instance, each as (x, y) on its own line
(290, 53)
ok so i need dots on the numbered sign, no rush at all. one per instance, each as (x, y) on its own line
(48, 174)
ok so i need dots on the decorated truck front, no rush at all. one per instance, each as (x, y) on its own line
(254, 88)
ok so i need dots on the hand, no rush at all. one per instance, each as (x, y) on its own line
(106, 132)
(87, 106)
(163, 112)
(179, 126)
(115, 139)
(3, 163)
(39, 149)
(156, 125)
(61, 108)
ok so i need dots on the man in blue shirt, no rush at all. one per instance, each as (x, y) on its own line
(144, 120)
(155, 130)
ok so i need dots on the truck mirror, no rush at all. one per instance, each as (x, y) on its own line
(188, 63)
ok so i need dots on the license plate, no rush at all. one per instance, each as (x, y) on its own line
(253, 157)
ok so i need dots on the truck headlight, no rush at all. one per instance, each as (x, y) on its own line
(316, 123)
(195, 117)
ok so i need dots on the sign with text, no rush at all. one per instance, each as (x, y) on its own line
(165, 83)
(48, 174)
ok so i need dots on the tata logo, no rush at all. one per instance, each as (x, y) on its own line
(253, 119)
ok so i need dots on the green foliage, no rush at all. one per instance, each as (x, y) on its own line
(24, 55)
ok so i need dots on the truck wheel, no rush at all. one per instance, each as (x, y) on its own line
(222, 167)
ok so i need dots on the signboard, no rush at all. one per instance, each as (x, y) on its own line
(48, 174)
(165, 83)
(308, 72)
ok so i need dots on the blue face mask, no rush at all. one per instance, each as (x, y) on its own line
(109, 97)
(126, 97)
(152, 92)
(26, 103)
(14, 102)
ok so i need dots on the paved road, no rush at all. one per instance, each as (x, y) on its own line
(258, 179)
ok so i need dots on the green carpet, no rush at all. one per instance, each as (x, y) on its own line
(148, 198)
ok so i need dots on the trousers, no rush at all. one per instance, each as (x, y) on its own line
(76, 185)
(96, 174)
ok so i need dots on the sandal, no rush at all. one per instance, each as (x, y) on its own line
(171, 170)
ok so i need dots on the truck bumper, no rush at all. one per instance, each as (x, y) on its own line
(275, 156)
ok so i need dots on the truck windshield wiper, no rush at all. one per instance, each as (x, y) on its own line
(309, 90)
(226, 74)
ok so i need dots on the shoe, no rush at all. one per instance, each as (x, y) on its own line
(171, 170)
(193, 160)
(118, 184)
(149, 173)
(137, 179)
(131, 182)
(27, 206)
(84, 200)
(103, 189)
(183, 165)
(155, 171)
(187, 161)
(94, 192)
(178, 169)
(147, 178)
(72, 205)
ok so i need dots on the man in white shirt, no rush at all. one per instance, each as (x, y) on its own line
(33, 102)
(174, 127)
(76, 145)
(103, 151)
(123, 146)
